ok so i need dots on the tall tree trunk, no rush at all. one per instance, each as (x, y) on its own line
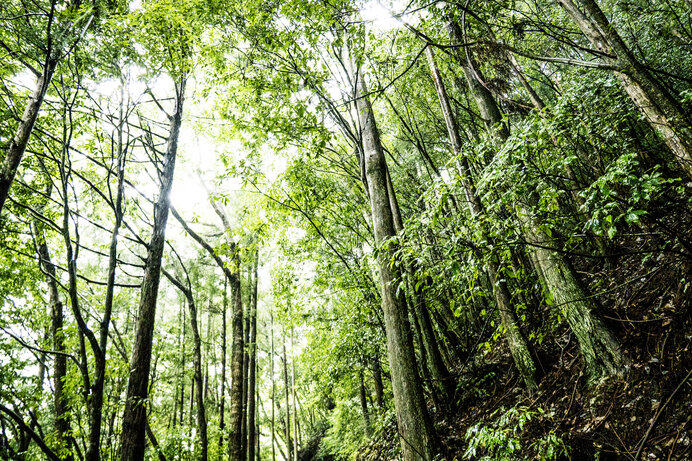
(246, 374)
(289, 443)
(271, 374)
(518, 346)
(377, 380)
(60, 403)
(252, 364)
(237, 352)
(364, 404)
(135, 414)
(222, 405)
(199, 388)
(296, 435)
(20, 140)
(664, 113)
(415, 428)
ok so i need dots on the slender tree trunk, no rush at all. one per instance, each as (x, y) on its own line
(271, 374)
(415, 428)
(252, 365)
(377, 380)
(199, 388)
(237, 352)
(364, 404)
(289, 443)
(183, 361)
(296, 435)
(135, 414)
(222, 405)
(246, 374)
(60, 403)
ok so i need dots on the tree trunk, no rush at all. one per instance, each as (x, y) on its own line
(237, 352)
(18, 145)
(377, 379)
(252, 364)
(599, 348)
(60, 402)
(222, 405)
(135, 414)
(415, 428)
(199, 388)
(364, 404)
(289, 443)
(296, 435)
(271, 374)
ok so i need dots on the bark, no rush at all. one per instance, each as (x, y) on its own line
(20, 140)
(364, 404)
(663, 112)
(490, 113)
(296, 435)
(271, 374)
(135, 414)
(440, 373)
(222, 405)
(377, 379)
(246, 374)
(415, 428)
(237, 352)
(252, 396)
(60, 403)
(599, 348)
(289, 443)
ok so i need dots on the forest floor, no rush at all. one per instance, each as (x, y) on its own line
(642, 415)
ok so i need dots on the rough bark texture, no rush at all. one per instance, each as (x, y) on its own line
(377, 380)
(490, 113)
(26, 125)
(252, 365)
(222, 405)
(664, 113)
(289, 442)
(199, 388)
(237, 351)
(415, 429)
(364, 404)
(600, 350)
(60, 403)
(135, 414)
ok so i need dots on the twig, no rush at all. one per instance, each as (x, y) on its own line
(658, 414)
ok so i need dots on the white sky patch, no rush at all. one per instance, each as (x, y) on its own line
(379, 16)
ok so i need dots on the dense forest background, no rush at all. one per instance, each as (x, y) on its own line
(330, 230)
